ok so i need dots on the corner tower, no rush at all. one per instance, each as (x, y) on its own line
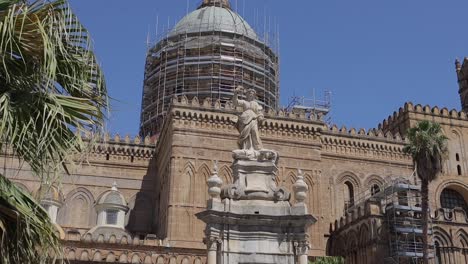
(462, 74)
(207, 55)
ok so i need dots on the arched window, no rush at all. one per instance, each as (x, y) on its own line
(450, 199)
(375, 189)
(349, 194)
(459, 170)
(457, 157)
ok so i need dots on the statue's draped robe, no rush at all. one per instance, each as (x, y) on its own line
(248, 125)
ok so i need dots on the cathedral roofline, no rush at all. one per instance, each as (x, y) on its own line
(400, 116)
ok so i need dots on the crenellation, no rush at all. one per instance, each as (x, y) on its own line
(228, 107)
(399, 121)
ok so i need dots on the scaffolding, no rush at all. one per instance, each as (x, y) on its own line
(313, 108)
(401, 204)
(208, 62)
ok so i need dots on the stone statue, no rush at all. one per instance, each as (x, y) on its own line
(251, 117)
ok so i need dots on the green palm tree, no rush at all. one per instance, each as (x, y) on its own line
(51, 91)
(427, 146)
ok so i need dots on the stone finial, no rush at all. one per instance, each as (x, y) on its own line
(114, 186)
(214, 183)
(300, 188)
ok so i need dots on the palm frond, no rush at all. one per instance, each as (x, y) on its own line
(51, 91)
(52, 87)
(32, 237)
(427, 146)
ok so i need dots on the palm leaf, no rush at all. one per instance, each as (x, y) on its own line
(51, 91)
(31, 236)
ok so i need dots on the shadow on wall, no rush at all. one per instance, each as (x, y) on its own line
(143, 205)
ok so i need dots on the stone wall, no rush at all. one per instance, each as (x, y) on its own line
(198, 133)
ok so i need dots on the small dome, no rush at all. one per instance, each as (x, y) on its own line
(214, 18)
(50, 193)
(112, 197)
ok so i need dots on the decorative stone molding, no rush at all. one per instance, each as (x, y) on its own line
(456, 215)
(366, 147)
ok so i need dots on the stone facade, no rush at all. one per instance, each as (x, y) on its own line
(163, 180)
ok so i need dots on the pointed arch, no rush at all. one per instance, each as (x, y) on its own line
(363, 235)
(183, 183)
(312, 201)
(288, 183)
(225, 173)
(374, 179)
(349, 176)
(78, 210)
(201, 188)
(462, 239)
(291, 178)
(442, 237)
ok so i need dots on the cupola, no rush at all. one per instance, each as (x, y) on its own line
(51, 200)
(111, 208)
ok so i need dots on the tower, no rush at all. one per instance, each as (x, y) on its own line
(207, 55)
(462, 74)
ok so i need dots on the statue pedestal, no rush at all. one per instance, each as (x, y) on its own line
(253, 222)
(254, 177)
(249, 232)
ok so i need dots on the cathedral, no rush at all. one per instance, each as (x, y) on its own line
(137, 199)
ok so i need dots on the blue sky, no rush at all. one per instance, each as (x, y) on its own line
(373, 55)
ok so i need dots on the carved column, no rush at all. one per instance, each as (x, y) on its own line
(212, 246)
(302, 249)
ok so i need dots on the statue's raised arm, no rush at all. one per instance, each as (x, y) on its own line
(249, 138)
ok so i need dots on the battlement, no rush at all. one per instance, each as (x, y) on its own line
(121, 146)
(370, 209)
(399, 121)
(222, 118)
(371, 134)
(208, 103)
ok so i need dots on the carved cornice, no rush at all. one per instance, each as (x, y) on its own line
(223, 117)
(373, 144)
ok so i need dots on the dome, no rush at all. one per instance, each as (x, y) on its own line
(213, 18)
(50, 193)
(112, 197)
